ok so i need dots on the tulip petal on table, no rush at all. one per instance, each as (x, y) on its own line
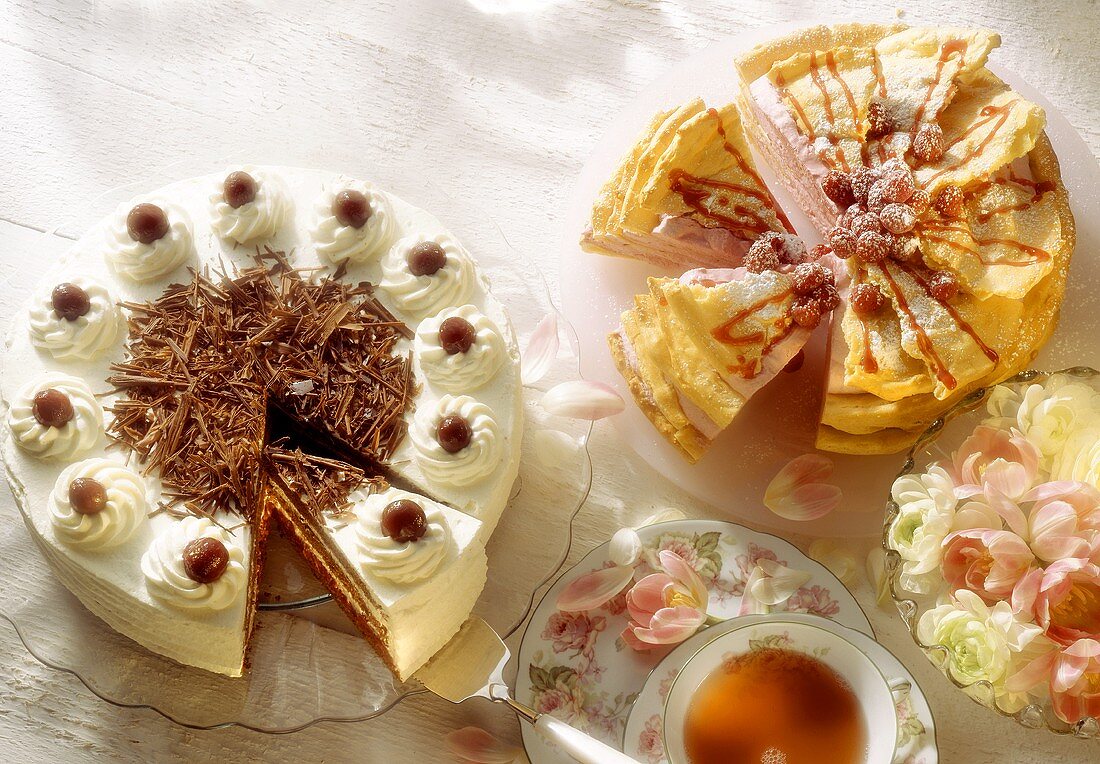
(582, 399)
(474, 744)
(541, 351)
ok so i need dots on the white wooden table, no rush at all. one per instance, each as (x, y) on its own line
(498, 99)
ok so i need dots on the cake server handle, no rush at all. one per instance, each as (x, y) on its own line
(585, 749)
(582, 747)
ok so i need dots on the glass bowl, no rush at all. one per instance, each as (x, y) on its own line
(307, 663)
(938, 443)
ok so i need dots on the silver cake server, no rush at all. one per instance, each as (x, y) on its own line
(472, 664)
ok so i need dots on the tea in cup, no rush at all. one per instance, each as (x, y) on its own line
(781, 692)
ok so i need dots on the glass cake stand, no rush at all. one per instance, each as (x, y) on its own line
(938, 443)
(306, 662)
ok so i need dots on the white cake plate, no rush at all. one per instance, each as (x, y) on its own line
(574, 666)
(307, 663)
(779, 422)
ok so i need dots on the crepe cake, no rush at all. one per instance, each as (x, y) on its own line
(696, 348)
(904, 135)
(264, 343)
(686, 195)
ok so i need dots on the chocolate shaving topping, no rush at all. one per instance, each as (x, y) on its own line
(210, 360)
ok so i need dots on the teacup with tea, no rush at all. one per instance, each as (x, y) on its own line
(781, 692)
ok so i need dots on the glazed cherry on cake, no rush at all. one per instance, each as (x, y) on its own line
(351, 208)
(52, 408)
(456, 335)
(238, 189)
(453, 433)
(426, 258)
(147, 223)
(69, 301)
(205, 560)
(404, 521)
(87, 496)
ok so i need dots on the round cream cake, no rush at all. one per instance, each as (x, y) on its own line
(402, 549)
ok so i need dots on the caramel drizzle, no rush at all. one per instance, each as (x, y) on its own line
(868, 362)
(815, 75)
(880, 78)
(723, 333)
(695, 191)
(784, 92)
(762, 194)
(963, 324)
(1038, 190)
(949, 47)
(991, 113)
(924, 342)
(1036, 255)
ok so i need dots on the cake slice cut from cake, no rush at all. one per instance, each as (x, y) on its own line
(697, 348)
(686, 195)
(405, 569)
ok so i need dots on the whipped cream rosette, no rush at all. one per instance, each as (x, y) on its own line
(249, 204)
(360, 230)
(169, 580)
(457, 441)
(400, 561)
(97, 504)
(460, 349)
(56, 417)
(423, 273)
(148, 239)
(76, 320)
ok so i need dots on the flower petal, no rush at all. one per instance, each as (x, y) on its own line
(838, 559)
(749, 604)
(631, 640)
(476, 745)
(668, 514)
(779, 582)
(799, 491)
(1006, 478)
(647, 597)
(541, 351)
(685, 575)
(1032, 674)
(594, 589)
(582, 399)
(625, 547)
(807, 502)
(671, 625)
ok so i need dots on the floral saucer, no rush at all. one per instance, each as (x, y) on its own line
(575, 666)
(916, 727)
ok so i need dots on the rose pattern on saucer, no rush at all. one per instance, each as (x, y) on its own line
(577, 666)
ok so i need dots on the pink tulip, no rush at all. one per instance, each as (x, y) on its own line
(996, 460)
(987, 562)
(1072, 674)
(1075, 682)
(1064, 599)
(1064, 521)
(666, 607)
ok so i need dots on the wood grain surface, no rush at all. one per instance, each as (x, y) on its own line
(500, 100)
